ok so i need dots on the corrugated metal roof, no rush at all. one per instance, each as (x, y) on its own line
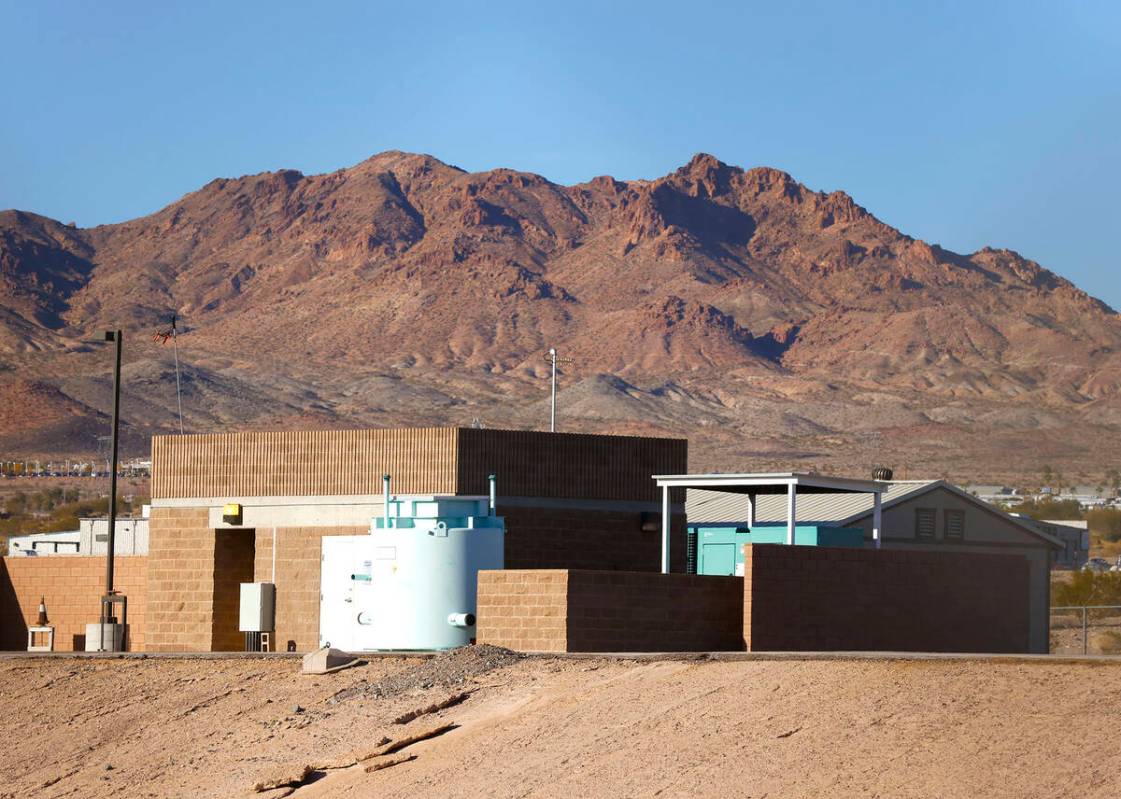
(718, 506)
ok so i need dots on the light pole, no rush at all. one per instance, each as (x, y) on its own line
(553, 394)
(111, 597)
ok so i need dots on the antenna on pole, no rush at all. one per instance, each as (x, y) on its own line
(178, 390)
(555, 359)
(162, 336)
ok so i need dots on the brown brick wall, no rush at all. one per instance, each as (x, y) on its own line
(437, 460)
(599, 611)
(553, 538)
(72, 587)
(180, 581)
(526, 610)
(822, 598)
(573, 465)
(298, 553)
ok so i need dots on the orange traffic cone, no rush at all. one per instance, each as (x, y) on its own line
(42, 612)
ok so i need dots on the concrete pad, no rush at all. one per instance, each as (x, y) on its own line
(327, 660)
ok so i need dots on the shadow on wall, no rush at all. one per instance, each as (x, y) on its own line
(13, 628)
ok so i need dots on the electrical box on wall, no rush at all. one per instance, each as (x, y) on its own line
(258, 608)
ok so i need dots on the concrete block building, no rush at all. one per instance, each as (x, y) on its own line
(569, 500)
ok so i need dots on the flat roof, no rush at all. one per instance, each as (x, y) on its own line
(771, 483)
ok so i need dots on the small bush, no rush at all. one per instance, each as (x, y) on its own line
(1088, 588)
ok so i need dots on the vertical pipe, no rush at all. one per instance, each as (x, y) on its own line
(493, 493)
(877, 520)
(117, 336)
(665, 529)
(385, 501)
(750, 510)
(553, 394)
(791, 503)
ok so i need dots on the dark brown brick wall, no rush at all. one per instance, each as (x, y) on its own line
(233, 565)
(548, 538)
(643, 612)
(822, 598)
(573, 465)
(599, 611)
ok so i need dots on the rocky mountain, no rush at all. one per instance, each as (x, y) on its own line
(774, 325)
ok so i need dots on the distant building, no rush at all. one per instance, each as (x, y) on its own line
(38, 544)
(1075, 537)
(91, 538)
(131, 537)
(996, 494)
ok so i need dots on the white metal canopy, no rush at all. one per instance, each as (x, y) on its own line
(789, 483)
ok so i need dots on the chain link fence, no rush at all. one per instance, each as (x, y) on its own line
(1086, 630)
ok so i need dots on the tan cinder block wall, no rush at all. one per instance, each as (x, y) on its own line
(180, 581)
(435, 460)
(799, 598)
(525, 609)
(72, 587)
(298, 553)
(601, 611)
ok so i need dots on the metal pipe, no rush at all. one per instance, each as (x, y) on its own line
(791, 503)
(493, 493)
(118, 337)
(385, 500)
(665, 529)
(877, 521)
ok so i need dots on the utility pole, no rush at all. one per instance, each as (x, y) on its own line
(552, 356)
(107, 613)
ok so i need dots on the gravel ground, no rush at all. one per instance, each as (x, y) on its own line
(455, 669)
(560, 728)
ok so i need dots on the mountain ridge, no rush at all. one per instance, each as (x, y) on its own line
(403, 266)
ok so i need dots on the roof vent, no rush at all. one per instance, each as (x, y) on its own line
(882, 473)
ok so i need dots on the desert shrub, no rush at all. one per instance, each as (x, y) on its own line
(1108, 642)
(1106, 522)
(1088, 588)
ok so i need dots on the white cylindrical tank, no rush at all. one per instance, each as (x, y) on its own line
(424, 582)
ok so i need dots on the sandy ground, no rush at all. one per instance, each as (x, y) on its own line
(562, 728)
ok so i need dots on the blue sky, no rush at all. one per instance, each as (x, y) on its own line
(964, 124)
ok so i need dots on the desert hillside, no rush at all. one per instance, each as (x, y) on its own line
(773, 325)
(555, 727)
